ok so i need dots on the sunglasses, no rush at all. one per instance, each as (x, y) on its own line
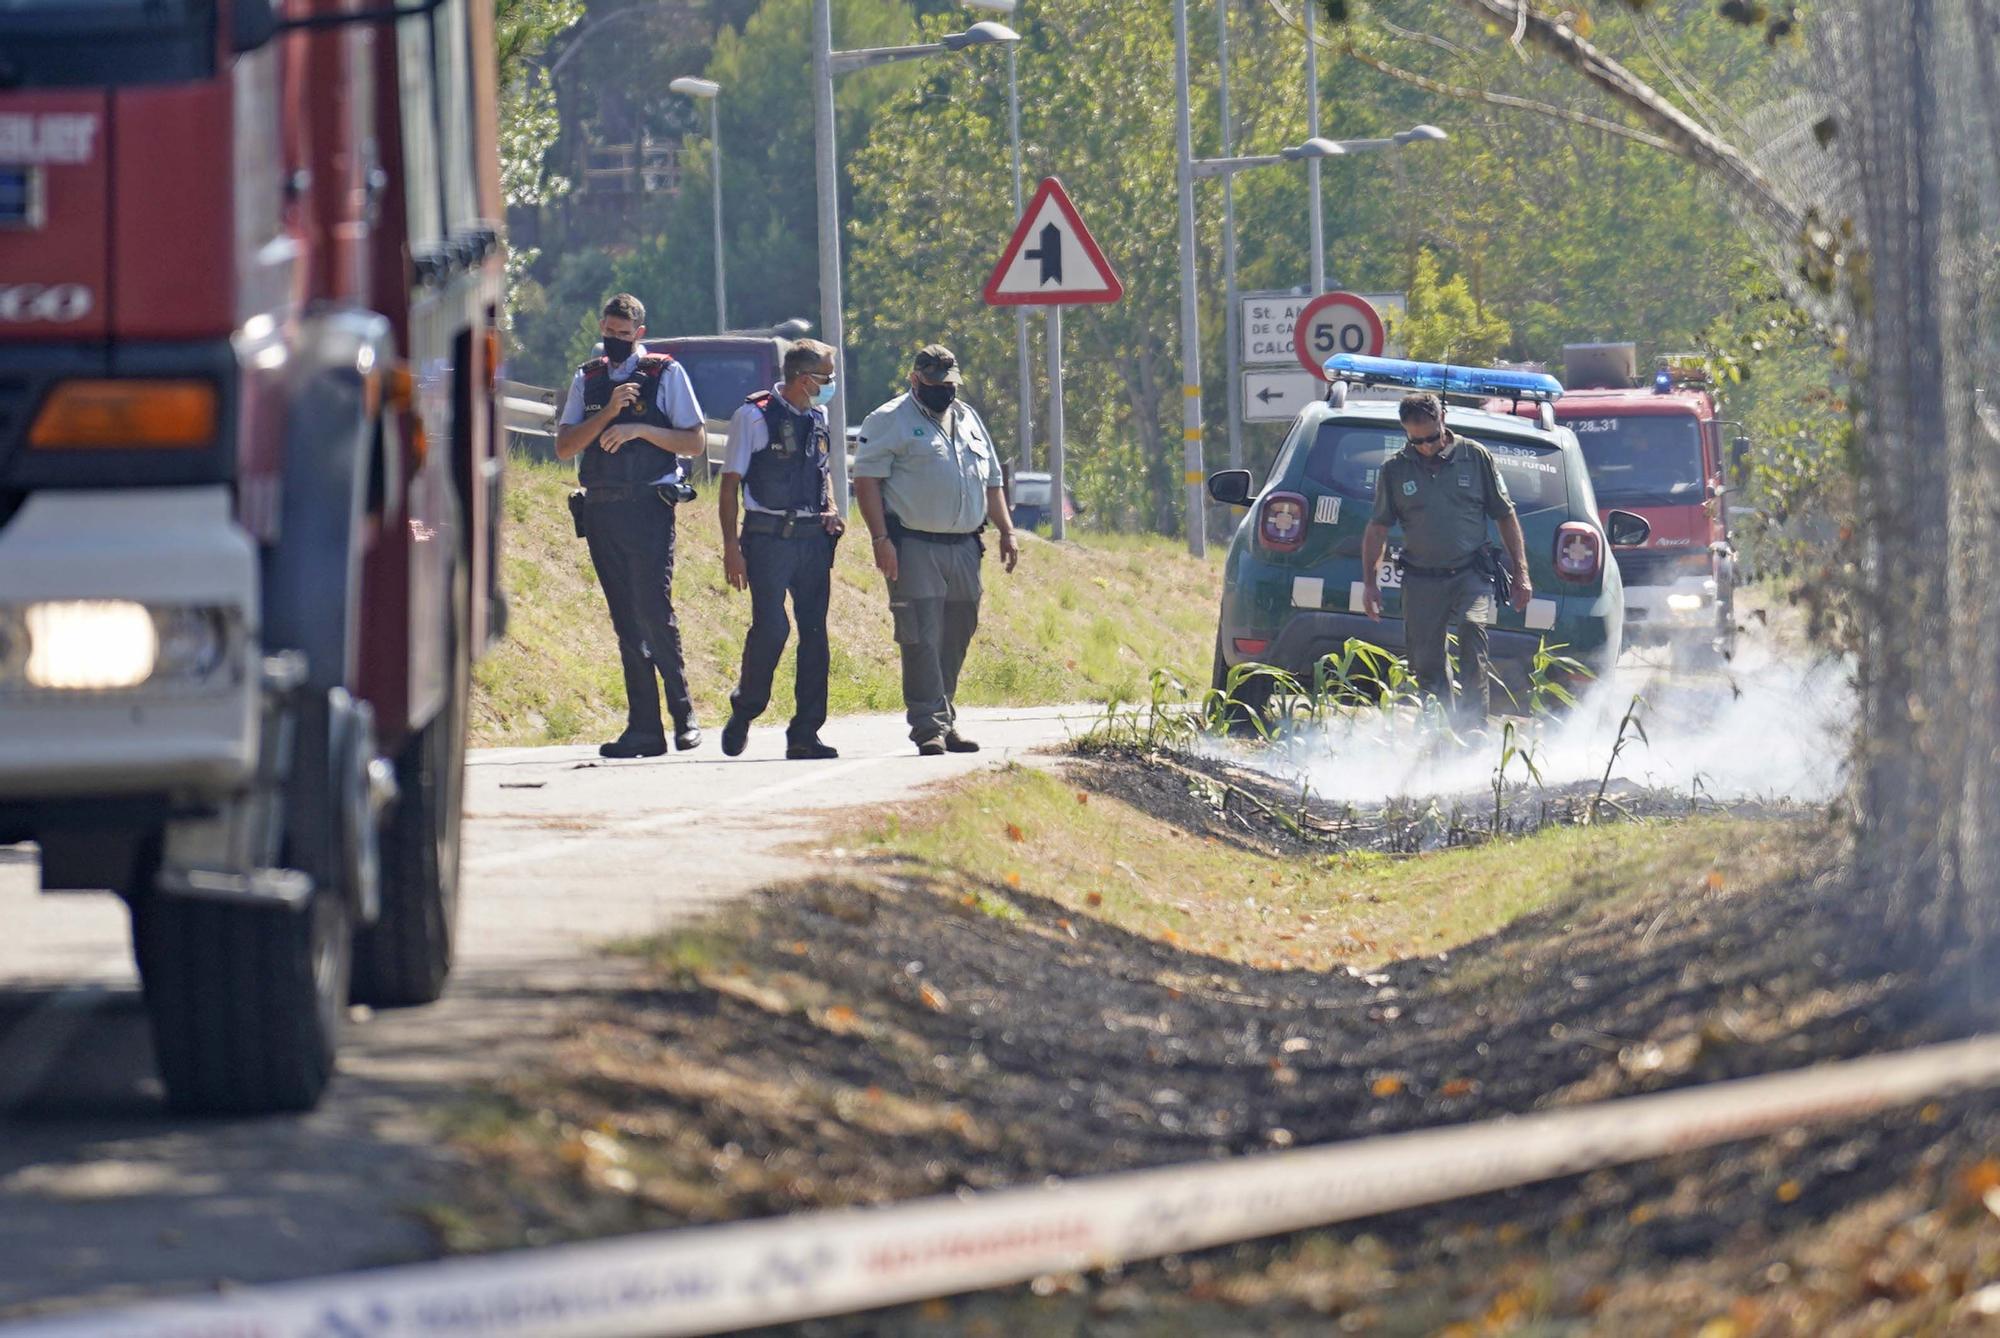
(1432, 440)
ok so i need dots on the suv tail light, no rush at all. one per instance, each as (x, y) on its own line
(1281, 522)
(1579, 552)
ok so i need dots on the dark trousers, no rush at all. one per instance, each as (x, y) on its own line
(1433, 608)
(935, 602)
(632, 548)
(802, 567)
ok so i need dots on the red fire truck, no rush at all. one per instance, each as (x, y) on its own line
(1656, 448)
(250, 280)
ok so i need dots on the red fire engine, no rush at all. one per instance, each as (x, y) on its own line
(1655, 448)
(250, 280)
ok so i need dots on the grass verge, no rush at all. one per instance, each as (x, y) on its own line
(1085, 620)
(1224, 896)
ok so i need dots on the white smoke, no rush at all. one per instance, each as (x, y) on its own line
(1772, 725)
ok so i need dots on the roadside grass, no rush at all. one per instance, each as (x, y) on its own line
(1086, 620)
(1104, 857)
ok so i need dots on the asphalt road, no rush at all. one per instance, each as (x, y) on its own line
(104, 1196)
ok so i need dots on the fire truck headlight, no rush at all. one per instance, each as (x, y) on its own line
(107, 645)
(1683, 603)
(90, 645)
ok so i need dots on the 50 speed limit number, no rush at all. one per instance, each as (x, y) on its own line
(1336, 323)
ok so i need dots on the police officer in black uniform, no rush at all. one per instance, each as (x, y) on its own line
(631, 416)
(778, 461)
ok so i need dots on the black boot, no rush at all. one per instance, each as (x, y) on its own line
(629, 744)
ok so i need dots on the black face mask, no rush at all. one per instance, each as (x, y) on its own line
(936, 398)
(617, 350)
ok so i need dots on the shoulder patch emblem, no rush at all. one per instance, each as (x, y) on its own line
(1409, 487)
(1464, 479)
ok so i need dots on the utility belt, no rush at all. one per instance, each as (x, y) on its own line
(1489, 562)
(1409, 568)
(898, 532)
(787, 526)
(603, 494)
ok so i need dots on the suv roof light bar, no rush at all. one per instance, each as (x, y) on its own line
(1444, 378)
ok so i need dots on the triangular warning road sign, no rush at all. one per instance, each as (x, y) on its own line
(1051, 260)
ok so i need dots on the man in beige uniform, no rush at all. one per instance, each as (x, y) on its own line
(928, 480)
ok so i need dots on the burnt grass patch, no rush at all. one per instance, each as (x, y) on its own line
(901, 1030)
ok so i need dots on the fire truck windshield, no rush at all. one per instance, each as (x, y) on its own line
(83, 43)
(1642, 461)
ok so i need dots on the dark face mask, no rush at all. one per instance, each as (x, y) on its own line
(617, 350)
(936, 398)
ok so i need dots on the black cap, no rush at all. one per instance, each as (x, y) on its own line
(938, 365)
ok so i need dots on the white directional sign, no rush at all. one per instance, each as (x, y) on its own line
(1277, 396)
(1266, 327)
(1051, 260)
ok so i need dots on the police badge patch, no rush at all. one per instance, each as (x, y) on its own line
(1409, 487)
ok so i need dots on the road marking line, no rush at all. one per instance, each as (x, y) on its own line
(717, 1279)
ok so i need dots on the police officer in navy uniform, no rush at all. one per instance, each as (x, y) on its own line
(779, 462)
(631, 416)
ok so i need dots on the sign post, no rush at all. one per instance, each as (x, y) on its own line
(1052, 261)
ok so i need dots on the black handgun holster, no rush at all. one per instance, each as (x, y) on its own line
(576, 513)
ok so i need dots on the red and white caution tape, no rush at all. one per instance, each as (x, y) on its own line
(715, 1279)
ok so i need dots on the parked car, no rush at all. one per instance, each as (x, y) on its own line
(1029, 500)
(1292, 581)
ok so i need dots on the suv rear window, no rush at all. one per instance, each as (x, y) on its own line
(723, 378)
(1346, 457)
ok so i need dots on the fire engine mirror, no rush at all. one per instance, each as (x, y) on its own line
(1626, 530)
(252, 23)
(1739, 455)
(1231, 487)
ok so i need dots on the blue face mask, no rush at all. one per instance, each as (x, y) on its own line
(823, 395)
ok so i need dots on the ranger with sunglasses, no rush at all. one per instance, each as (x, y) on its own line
(1442, 489)
(778, 461)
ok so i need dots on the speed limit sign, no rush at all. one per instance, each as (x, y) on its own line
(1336, 323)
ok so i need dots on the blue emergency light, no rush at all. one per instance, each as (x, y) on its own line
(1443, 377)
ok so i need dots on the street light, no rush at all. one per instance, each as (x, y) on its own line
(708, 90)
(826, 64)
(1311, 152)
(1027, 408)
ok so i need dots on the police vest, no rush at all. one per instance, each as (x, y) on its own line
(790, 473)
(637, 462)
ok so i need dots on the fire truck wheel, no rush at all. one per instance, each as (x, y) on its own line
(404, 957)
(245, 1001)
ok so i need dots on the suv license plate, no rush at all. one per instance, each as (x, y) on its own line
(1388, 576)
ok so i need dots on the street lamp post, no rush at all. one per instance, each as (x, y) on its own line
(1191, 468)
(1021, 360)
(827, 63)
(1311, 153)
(707, 90)
(1232, 390)
(1318, 228)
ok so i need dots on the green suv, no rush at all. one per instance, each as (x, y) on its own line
(1291, 587)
